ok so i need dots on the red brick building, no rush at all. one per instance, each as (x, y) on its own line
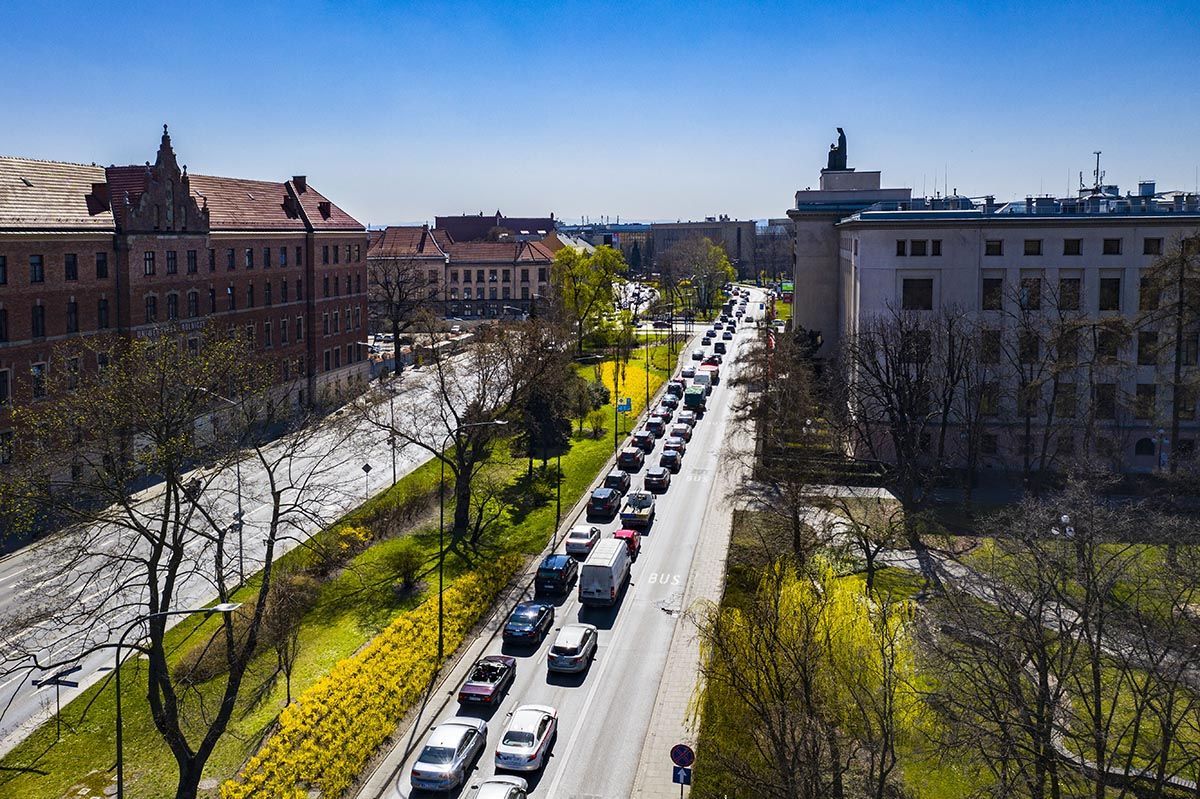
(126, 249)
(472, 279)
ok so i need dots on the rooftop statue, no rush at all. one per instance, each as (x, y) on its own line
(837, 152)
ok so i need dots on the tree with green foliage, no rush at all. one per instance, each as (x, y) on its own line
(693, 272)
(584, 287)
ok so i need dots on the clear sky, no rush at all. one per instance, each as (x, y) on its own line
(400, 111)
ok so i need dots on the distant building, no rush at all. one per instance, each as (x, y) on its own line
(774, 250)
(633, 239)
(87, 250)
(736, 236)
(495, 227)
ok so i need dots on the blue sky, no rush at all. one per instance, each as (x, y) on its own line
(400, 111)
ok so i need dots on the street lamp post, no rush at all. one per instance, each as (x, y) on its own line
(558, 495)
(441, 645)
(224, 607)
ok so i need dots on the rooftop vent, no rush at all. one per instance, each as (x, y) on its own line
(27, 182)
(324, 208)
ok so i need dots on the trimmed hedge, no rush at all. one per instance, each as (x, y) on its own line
(326, 737)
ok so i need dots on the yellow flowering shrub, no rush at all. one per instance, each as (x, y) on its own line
(324, 739)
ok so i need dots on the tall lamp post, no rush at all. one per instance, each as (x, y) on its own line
(238, 517)
(441, 646)
(224, 607)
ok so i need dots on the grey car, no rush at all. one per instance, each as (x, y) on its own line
(574, 648)
(450, 751)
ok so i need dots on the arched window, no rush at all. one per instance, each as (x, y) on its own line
(1144, 446)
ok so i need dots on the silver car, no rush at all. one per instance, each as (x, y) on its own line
(451, 750)
(526, 742)
(573, 649)
(504, 786)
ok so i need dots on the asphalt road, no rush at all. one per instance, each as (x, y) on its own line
(94, 613)
(605, 712)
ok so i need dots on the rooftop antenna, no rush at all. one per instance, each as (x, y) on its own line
(1098, 174)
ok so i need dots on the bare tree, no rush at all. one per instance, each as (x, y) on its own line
(129, 558)
(403, 295)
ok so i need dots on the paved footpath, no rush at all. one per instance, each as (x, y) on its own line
(671, 721)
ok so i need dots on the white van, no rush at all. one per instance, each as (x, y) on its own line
(605, 573)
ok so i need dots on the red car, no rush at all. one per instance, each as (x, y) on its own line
(632, 539)
(488, 680)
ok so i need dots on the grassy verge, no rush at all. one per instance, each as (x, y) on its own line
(352, 607)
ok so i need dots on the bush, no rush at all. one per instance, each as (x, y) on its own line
(325, 738)
(405, 562)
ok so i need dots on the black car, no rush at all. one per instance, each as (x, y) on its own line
(670, 400)
(631, 459)
(719, 348)
(644, 440)
(604, 503)
(529, 623)
(669, 459)
(556, 574)
(658, 479)
(617, 480)
(706, 341)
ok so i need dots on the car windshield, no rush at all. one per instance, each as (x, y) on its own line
(564, 650)
(517, 738)
(580, 536)
(526, 614)
(437, 755)
(548, 571)
(641, 500)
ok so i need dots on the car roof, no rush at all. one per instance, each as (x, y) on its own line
(527, 717)
(450, 733)
(555, 560)
(630, 451)
(603, 492)
(657, 471)
(572, 634)
(618, 473)
(529, 607)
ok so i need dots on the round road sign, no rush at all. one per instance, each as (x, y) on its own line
(682, 755)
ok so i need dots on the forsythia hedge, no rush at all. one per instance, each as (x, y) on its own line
(325, 738)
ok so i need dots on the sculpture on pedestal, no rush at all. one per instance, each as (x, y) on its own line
(837, 152)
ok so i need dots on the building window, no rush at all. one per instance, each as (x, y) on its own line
(191, 262)
(299, 328)
(267, 294)
(1185, 402)
(193, 304)
(37, 378)
(283, 330)
(72, 317)
(917, 294)
(328, 360)
(989, 346)
(3, 325)
(172, 306)
(357, 253)
(1147, 348)
(1067, 346)
(478, 275)
(1066, 400)
(935, 247)
(1031, 293)
(1144, 446)
(37, 269)
(5, 387)
(299, 288)
(1029, 347)
(250, 296)
(1110, 293)
(1072, 246)
(250, 334)
(524, 275)
(492, 275)
(266, 257)
(71, 266)
(148, 263)
(348, 248)
(989, 399)
(337, 357)
(212, 301)
(172, 263)
(901, 247)
(325, 253)
(993, 247)
(1068, 294)
(1151, 246)
(248, 257)
(337, 322)
(524, 292)
(1033, 246)
(193, 345)
(1148, 294)
(283, 291)
(230, 297)
(37, 325)
(993, 293)
(212, 260)
(151, 308)
(3, 270)
(336, 253)
(1108, 345)
(325, 286)
(283, 256)
(299, 256)
(1112, 247)
(102, 314)
(325, 323)
(1105, 401)
(267, 325)
(230, 265)
(1190, 348)
(1144, 401)
(541, 274)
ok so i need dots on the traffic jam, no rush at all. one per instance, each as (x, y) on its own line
(596, 568)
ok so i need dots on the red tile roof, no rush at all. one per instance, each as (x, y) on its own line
(400, 241)
(500, 252)
(41, 195)
(240, 204)
(323, 214)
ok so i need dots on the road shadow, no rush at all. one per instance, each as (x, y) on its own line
(567, 680)
(520, 649)
(602, 617)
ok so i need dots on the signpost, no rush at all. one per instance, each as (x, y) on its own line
(366, 481)
(682, 757)
(625, 404)
(58, 682)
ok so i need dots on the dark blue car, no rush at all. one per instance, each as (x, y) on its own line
(556, 574)
(529, 623)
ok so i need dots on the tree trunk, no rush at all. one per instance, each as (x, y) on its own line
(462, 505)
(190, 773)
(396, 344)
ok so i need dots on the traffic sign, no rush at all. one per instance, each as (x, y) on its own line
(625, 404)
(682, 755)
(681, 776)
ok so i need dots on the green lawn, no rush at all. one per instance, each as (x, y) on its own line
(353, 606)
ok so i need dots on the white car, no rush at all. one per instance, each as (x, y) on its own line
(503, 786)
(526, 741)
(581, 539)
(573, 649)
(449, 753)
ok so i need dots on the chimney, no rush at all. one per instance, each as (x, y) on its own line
(300, 182)
(323, 207)
(1029, 205)
(989, 204)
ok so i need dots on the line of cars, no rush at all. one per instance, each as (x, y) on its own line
(600, 570)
